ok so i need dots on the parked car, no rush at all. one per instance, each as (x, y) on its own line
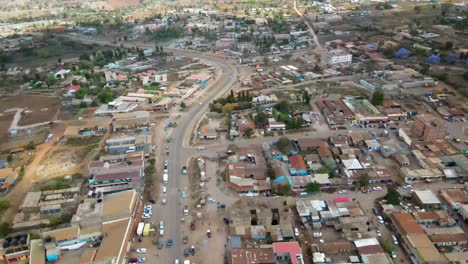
(161, 224)
(377, 188)
(141, 250)
(192, 226)
(184, 194)
(380, 219)
(164, 201)
(142, 260)
(375, 211)
(145, 216)
(393, 254)
(379, 233)
(164, 190)
(208, 233)
(185, 239)
(296, 231)
(201, 148)
(133, 260)
(342, 191)
(395, 240)
(407, 186)
(152, 201)
(169, 243)
(318, 234)
(161, 232)
(166, 163)
(161, 245)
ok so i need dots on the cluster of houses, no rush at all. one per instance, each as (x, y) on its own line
(101, 216)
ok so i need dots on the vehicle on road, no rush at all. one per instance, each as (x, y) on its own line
(142, 260)
(342, 191)
(318, 234)
(379, 233)
(186, 252)
(161, 232)
(169, 243)
(407, 186)
(201, 148)
(164, 190)
(375, 211)
(152, 201)
(211, 200)
(380, 219)
(161, 224)
(222, 206)
(395, 240)
(176, 261)
(377, 188)
(296, 231)
(164, 201)
(161, 245)
(192, 250)
(208, 233)
(166, 163)
(364, 190)
(185, 239)
(141, 250)
(184, 194)
(133, 260)
(393, 254)
(192, 226)
(186, 211)
(184, 170)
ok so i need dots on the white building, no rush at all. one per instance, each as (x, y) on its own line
(336, 56)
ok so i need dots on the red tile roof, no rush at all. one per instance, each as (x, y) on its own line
(406, 224)
(297, 162)
(292, 248)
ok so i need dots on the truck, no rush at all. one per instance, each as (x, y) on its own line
(140, 229)
(146, 229)
(165, 178)
(49, 137)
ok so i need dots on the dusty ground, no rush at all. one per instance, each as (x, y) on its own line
(42, 109)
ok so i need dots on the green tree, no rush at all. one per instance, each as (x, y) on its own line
(312, 187)
(363, 180)
(249, 132)
(283, 107)
(285, 190)
(324, 169)
(378, 97)
(83, 105)
(9, 158)
(306, 97)
(183, 105)
(4, 204)
(271, 173)
(227, 109)
(4, 229)
(51, 80)
(260, 119)
(393, 196)
(284, 145)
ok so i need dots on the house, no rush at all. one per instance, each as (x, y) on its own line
(250, 256)
(264, 101)
(288, 253)
(427, 199)
(207, 133)
(401, 159)
(297, 165)
(372, 144)
(336, 56)
(274, 125)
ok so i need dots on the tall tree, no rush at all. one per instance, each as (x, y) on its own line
(378, 97)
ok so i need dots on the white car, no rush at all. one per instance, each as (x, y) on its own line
(164, 189)
(296, 231)
(211, 200)
(161, 224)
(342, 191)
(378, 233)
(166, 171)
(161, 232)
(322, 241)
(407, 186)
(184, 195)
(166, 163)
(141, 250)
(185, 212)
(177, 260)
(380, 219)
(145, 216)
(201, 148)
(152, 124)
(164, 201)
(317, 235)
(378, 188)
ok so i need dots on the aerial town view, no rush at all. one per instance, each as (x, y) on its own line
(233, 132)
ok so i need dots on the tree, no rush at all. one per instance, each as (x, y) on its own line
(283, 107)
(260, 119)
(249, 132)
(9, 158)
(312, 187)
(393, 196)
(363, 180)
(183, 105)
(448, 45)
(227, 109)
(284, 145)
(324, 169)
(465, 75)
(271, 173)
(378, 97)
(83, 105)
(4, 229)
(51, 80)
(161, 49)
(285, 190)
(306, 97)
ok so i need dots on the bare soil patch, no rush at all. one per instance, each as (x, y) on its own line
(42, 108)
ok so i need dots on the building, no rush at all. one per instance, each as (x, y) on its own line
(371, 252)
(429, 128)
(246, 171)
(264, 101)
(336, 56)
(288, 253)
(420, 175)
(427, 199)
(115, 176)
(207, 133)
(274, 125)
(297, 165)
(250, 256)
(126, 143)
(130, 120)
(364, 112)
(83, 132)
(372, 144)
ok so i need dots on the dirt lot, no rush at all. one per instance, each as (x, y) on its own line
(42, 108)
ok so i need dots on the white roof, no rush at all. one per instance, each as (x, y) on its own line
(366, 242)
(427, 197)
(352, 164)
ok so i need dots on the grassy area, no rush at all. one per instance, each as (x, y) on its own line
(57, 184)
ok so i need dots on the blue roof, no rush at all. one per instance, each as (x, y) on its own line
(235, 242)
